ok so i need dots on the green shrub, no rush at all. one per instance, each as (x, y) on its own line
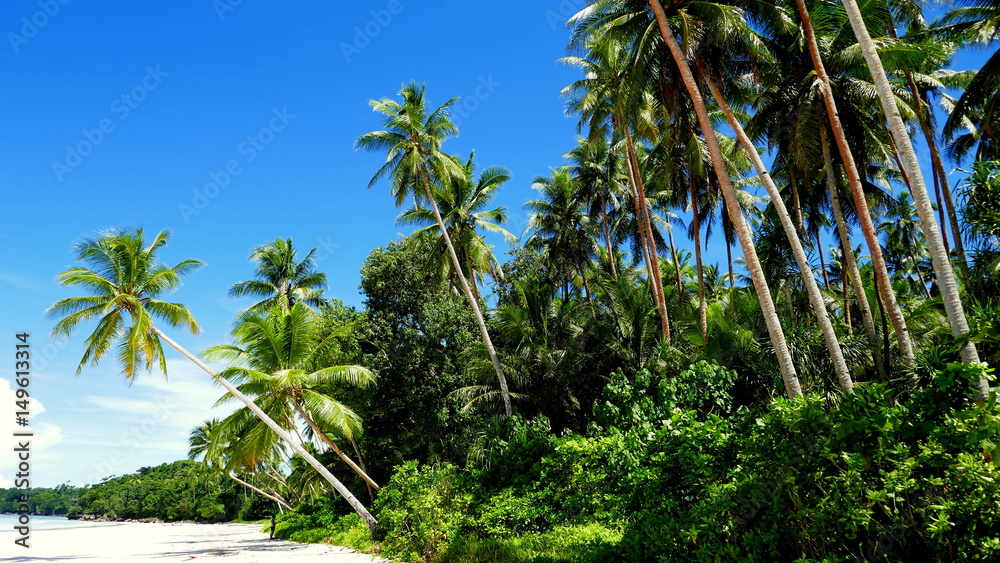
(421, 511)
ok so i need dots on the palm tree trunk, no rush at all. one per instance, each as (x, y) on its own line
(822, 261)
(504, 391)
(942, 262)
(942, 187)
(649, 253)
(295, 446)
(276, 498)
(699, 270)
(326, 440)
(882, 283)
(805, 269)
(607, 241)
(654, 256)
(787, 368)
(848, 262)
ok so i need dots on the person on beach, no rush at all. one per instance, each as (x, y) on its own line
(272, 526)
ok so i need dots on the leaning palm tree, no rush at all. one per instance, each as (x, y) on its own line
(943, 270)
(464, 203)
(124, 281)
(215, 451)
(412, 140)
(274, 360)
(280, 278)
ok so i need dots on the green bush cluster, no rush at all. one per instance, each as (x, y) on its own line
(670, 474)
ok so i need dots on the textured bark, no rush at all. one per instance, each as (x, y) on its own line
(882, 283)
(785, 365)
(943, 270)
(805, 269)
(282, 434)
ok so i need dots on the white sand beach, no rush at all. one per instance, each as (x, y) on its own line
(132, 541)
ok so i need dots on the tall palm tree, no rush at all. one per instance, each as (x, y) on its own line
(789, 377)
(464, 203)
(943, 270)
(412, 140)
(123, 281)
(281, 279)
(273, 360)
(882, 282)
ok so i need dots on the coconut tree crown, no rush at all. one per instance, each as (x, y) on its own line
(124, 281)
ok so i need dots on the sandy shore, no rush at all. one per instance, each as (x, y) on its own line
(229, 543)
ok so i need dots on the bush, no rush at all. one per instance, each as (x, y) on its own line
(421, 511)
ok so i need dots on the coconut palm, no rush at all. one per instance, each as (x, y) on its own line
(561, 227)
(273, 361)
(943, 270)
(633, 20)
(123, 281)
(463, 203)
(282, 279)
(412, 140)
(216, 452)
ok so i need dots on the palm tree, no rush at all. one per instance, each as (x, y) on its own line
(412, 140)
(561, 227)
(943, 270)
(785, 364)
(281, 279)
(463, 204)
(273, 361)
(978, 109)
(206, 442)
(882, 281)
(124, 281)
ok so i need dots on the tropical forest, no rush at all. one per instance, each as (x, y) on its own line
(753, 317)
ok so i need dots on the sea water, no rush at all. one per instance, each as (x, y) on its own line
(41, 523)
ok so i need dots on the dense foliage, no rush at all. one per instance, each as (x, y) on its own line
(182, 490)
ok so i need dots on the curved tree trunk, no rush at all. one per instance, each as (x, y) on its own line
(805, 269)
(326, 440)
(848, 263)
(285, 437)
(943, 270)
(942, 187)
(504, 391)
(276, 498)
(882, 283)
(787, 368)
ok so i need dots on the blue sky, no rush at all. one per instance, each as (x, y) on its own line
(230, 123)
